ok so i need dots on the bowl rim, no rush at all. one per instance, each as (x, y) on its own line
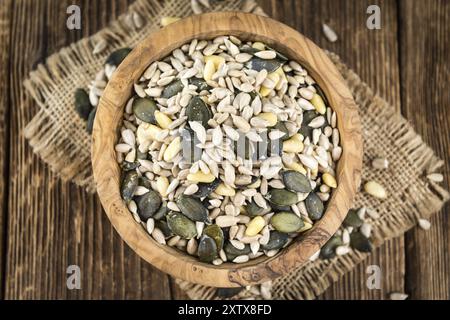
(119, 90)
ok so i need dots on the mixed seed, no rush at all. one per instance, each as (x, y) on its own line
(228, 150)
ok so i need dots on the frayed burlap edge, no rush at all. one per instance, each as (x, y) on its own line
(56, 133)
(411, 195)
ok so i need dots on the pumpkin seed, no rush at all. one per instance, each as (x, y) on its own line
(253, 210)
(117, 56)
(181, 225)
(148, 204)
(286, 222)
(172, 89)
(128, 166)
(205, 189)
(164, 228)
(281, 197)
(232, 252)
(305, 130)
(192, 208)
(359, 242)
(144, 109)
(129, 185)
(314, 206)
(207, 249)
(276, 241)
(352, 219)
(328, 249)
(259, 64)
(228, 292)
(197, 110)
(215, 232)
(296, 181)
(161, 212)
(82, 105)
(90, 121)
(199, 83)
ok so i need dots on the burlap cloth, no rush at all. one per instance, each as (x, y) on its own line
(59, 137)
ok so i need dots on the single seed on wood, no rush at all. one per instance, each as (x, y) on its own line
(435, 177)
(424, 224)
(329, 33)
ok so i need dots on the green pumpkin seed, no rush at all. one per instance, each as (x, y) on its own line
(197, 110)
(199, 83)
(248, 49)
(128, 166)
(228, 292)
(281, 126)
(305, 130)
(231, 252)
(129, 185)
(207, 249)
(145, 182)
(90, 121)
(259, 64)
(82, 105)
(352, 219)
(253, 210)
(215, 232)
(205, 189)
(181, 225)
(314, 206)
(281, 197)
(328, 249)
(161, 212)
(172, 89)
(359, 242)
(142, 155)
(276, 241)
(148, 204)
(295, 181)
(164, 227)
(286, 222)
(277, 208)
(117, 56)
(193, 208)
(144, 109)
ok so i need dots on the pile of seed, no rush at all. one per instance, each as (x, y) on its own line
(354, 234)
(183, 178)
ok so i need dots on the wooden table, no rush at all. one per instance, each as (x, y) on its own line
(47, 225)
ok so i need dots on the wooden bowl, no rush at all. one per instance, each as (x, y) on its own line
(108, 122)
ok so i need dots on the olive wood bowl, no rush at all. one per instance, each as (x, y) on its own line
(108, 122)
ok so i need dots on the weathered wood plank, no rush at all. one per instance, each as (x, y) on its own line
(5, 23)
(374, 56)
(424, 53)
(52, 224)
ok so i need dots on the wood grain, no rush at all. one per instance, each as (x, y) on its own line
(119, 90)
(52, 224)
(425, 79)
(5, 22)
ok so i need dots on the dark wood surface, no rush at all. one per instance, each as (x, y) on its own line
(47, 225)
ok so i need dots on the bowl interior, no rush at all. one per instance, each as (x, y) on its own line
(106, 132)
